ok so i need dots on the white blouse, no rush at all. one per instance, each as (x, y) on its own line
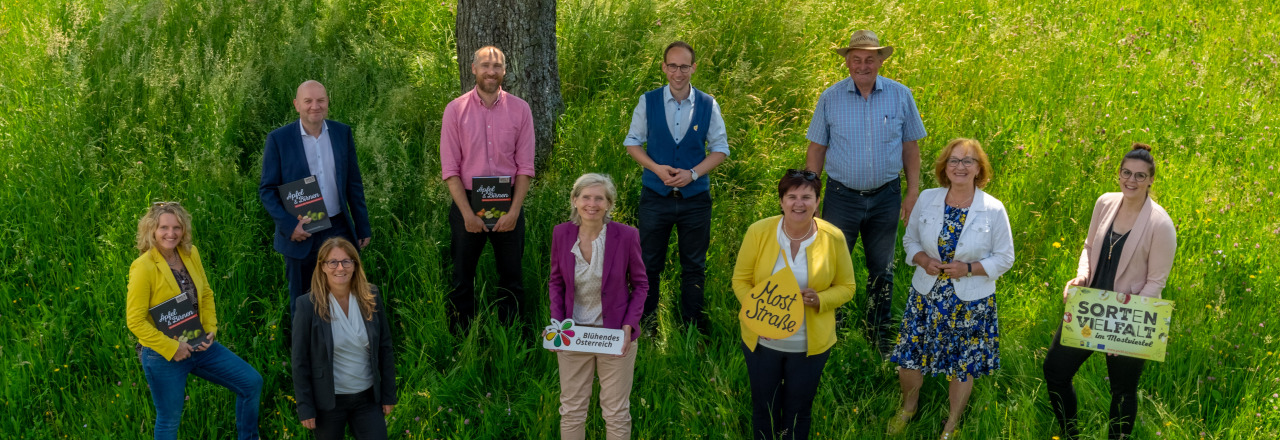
(588, 308)
(797, 343)
(352, 371)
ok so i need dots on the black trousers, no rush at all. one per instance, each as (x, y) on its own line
(691, 218)
(874, 219)
(299, 271)
(508, 253)
(783, 386)
(354, 413)
(1060, 367)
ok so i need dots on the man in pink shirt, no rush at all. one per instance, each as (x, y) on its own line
(486, 132)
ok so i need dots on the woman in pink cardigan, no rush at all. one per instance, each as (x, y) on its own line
(598, 280)
(1129, 249)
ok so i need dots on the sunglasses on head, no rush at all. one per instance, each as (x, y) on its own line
(805, 174)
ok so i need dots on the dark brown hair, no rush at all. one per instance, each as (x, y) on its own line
(693, 56)
(1141, 152)
(797, 179)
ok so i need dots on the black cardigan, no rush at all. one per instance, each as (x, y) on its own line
(313, 358)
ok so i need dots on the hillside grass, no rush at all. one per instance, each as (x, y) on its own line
(107, 105)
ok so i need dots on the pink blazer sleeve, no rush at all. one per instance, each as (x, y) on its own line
(1164, 242)
(639, 281)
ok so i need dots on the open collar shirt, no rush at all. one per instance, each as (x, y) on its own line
(319, 152)
(478, 141)
(679, 114)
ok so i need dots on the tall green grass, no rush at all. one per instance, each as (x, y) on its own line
(107, 105)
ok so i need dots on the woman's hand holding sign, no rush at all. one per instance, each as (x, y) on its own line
(626, 340)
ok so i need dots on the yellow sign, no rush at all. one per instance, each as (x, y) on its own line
(1117, 323)
(774, 309)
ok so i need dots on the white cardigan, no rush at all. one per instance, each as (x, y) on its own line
(985, 238)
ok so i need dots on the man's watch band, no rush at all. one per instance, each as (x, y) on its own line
(693, 173)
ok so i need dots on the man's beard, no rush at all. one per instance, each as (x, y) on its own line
(481, 83)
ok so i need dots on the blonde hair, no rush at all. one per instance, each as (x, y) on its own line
(150, 221)
(589, 180)
(360, 286)
(984, 164)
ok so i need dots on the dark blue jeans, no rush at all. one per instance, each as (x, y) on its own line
(299, 271)
(783, 386)
(168, 382)
(691, 218)
(874, 218)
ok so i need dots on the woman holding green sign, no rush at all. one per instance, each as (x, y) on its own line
(597, 280)
(800, 310)
(1129, 249)
(959, 240)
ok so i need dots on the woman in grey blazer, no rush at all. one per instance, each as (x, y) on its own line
(344, 370)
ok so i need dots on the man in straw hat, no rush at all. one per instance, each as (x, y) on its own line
(865, 130)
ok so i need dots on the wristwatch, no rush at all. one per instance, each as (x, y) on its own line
(693, 173)
(970, 269)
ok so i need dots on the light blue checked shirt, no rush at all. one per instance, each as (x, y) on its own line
(864, 136)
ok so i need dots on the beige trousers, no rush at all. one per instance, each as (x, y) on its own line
(577, 372)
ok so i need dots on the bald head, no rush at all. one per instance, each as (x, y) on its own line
(488, 53)
(312, 104)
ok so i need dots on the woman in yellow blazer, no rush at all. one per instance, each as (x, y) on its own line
(169, 268)
(784, 373)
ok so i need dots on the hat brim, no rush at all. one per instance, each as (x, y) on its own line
(885, 51)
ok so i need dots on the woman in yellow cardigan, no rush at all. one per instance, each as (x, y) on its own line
(170, 267)
(784, 373)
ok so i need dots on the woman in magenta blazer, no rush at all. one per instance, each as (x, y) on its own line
(598, 280)
(1129, 249)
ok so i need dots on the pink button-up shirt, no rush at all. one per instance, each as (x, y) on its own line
(477, 141)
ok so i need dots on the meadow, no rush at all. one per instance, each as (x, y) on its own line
(108, 105)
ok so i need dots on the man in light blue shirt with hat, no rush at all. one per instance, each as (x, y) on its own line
(678, 136)
(865, 131)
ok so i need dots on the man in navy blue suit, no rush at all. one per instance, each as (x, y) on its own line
(313, 146)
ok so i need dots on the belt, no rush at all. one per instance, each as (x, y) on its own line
(871, 192)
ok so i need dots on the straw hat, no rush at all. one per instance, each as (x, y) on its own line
(866, 40)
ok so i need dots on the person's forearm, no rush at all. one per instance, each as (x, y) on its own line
(459, 194)
(815, 157)
(712, 161)
(911, 164)
(521, 190)
(642, 157)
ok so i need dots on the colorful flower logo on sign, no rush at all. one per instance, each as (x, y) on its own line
(560, 332)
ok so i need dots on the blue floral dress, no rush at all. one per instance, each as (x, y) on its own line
(940, 333)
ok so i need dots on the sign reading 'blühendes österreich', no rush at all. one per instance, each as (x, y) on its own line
(1117, 323)
(567, 335)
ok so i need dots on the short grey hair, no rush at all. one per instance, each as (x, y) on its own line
(589, 180)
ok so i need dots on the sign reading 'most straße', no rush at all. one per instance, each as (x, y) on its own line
(1117, 323)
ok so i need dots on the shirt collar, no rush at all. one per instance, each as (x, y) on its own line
(475, 96)
(666, 93)
(324, 128)
(853, 86)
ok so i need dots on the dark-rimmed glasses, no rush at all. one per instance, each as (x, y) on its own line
(1137, 177)
(682, 68)
(346, 264)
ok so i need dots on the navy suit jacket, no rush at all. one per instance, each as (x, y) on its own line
(284, 161)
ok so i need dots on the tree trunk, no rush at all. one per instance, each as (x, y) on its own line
(525, 30)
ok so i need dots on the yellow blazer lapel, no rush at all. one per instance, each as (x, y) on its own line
(166, 273)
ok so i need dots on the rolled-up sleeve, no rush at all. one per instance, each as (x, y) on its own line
(638, 134)
(912, 125)
(818, 130)
(717, 134)
(450, 144)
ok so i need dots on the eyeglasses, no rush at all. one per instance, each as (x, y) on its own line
(1137, 177)
(806, 174)
(156, 204)
(956, 163)
(333, 264)
(683, 68)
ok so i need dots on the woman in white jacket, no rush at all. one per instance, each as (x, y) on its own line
(959, 240)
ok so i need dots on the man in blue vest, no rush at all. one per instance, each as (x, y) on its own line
(677, 134)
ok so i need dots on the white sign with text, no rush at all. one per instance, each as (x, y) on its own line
(570, 336)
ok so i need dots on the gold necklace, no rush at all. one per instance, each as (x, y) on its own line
(1112, 247)
(802, 237)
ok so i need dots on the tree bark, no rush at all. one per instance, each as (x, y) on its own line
(525, 30)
